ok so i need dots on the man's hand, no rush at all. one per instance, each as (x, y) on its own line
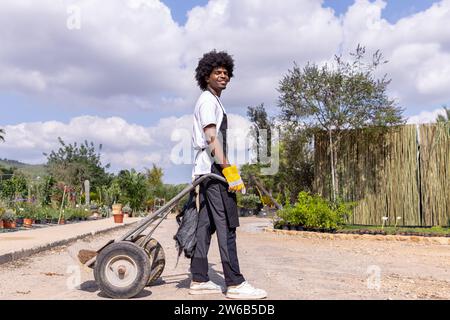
(234, 180)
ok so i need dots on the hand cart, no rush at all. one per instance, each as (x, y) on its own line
(124, 266)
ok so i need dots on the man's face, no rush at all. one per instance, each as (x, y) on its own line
(218, 79)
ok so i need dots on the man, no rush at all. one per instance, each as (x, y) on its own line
(218, 206)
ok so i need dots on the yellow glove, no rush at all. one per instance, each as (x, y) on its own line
(234, 180)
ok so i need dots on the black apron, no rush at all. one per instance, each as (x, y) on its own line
(229, 198)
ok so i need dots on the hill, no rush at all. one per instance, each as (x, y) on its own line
(32, 170)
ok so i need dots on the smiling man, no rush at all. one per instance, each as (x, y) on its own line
(217, 200)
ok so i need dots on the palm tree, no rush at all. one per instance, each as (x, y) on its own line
(445, 117)
(2, 132)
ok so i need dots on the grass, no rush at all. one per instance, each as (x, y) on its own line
(438, 231)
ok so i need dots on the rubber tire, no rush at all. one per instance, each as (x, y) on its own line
(136, 253)
(157, 256)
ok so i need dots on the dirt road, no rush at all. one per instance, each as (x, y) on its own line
(286, 267)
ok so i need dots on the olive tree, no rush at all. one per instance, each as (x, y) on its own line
(337, 98)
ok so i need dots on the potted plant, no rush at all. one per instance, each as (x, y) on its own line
(29, 214)
(85, 213)
(117, 213)
(28, 219)
(104, 211)
(19, 212)
(117, 208)
(2, 210)
(62, 217)
(248, 204)
(39, 216)
(126, 211)
(118, 217)
(9, 219)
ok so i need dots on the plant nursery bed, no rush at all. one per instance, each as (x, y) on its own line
(35, 226)
(419, 232)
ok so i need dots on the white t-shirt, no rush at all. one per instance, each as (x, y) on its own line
(208, 110)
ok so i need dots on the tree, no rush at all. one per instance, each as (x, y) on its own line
(154, 176)
(338, 99)
(133, 187)
(14, 188)
(46, 187)
(256, 183)
(7, 171)
(296, 171)
(443, 118)
(2, 135)
(73, 164)
(258, 116)
(109, 195)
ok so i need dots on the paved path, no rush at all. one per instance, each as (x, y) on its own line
(288, 267)
(20, 244)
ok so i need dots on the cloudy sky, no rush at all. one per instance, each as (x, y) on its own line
(121, 72)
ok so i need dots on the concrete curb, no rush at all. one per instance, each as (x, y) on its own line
(342, 236)
(16, 255)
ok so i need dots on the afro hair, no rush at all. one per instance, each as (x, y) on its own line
(209, 62)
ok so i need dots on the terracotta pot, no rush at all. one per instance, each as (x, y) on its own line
(118, 218)
(1, 224)
(27, 222)
(9, 224)
(62, 221)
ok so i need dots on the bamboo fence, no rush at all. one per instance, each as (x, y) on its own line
(403, 173)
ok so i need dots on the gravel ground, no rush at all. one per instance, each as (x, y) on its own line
(286, 267)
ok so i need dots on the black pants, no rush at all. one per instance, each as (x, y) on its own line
(213, 217)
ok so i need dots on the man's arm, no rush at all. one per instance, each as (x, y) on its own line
(215, 146)
(230, 172)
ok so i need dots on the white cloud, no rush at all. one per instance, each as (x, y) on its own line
(131, 54)
(417, 48)
(426, 116)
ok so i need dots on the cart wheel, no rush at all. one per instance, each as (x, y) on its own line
(156, 254)
(122, 270)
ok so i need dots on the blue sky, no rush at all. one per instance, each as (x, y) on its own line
(395, 9)
(25, 108)
(123, 75)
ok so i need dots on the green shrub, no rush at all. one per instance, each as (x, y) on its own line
(2, 210)
(250, 201)
(27, 210)
(105, 211)
(40, 213)
(76, 213)
(313, 211)
(127, 209)
(51, 213)
(9, 215)
(48, 213)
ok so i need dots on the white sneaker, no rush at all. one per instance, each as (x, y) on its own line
(245, 291)
(205, 288)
